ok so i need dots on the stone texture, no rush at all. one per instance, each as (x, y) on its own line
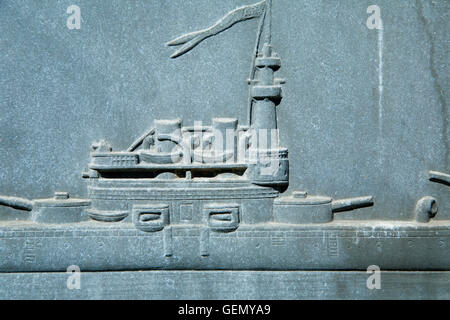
(212, 285)
(364, 112)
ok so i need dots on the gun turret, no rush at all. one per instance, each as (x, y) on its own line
(301, 208)
(59, 209)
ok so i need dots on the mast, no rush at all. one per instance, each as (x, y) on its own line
(269, 22)
(251, 77)
(265, 89)
(265, 32)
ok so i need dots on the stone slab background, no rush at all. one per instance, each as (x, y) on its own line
(219, 285)
(62, 89)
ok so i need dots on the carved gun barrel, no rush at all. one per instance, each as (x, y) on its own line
(351, 203)
(16, 203)
(59, 209)
(441, 177)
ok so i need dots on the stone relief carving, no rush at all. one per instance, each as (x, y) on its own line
(209, 197)
(427, 207)
(440, 177)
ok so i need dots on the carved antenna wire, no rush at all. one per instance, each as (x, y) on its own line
(268, 39)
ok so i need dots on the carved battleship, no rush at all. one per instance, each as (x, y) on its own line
(210, 197)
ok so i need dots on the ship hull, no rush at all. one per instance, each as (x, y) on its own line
(340, 245)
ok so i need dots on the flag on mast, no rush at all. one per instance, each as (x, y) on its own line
(190, 40)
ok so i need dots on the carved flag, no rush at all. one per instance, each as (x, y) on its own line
(190, 40)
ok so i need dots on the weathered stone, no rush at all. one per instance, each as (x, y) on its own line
(225, 285)
(185, 195)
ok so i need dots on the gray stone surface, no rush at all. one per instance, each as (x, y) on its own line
(100, 246)
(212, 285)
(364, 115)
(62, 89)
